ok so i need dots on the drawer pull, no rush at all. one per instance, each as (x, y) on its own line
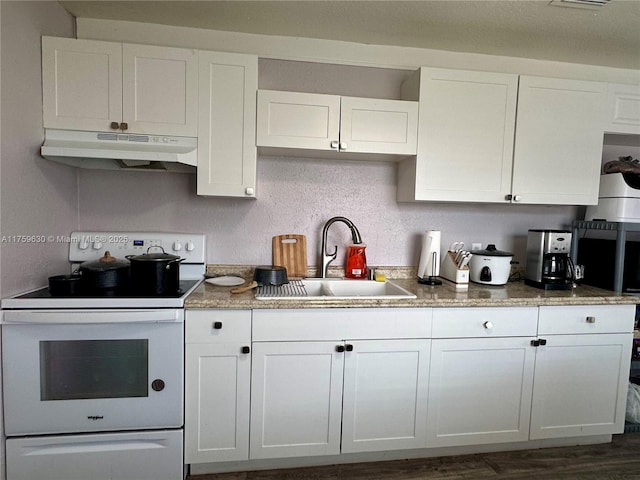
(488, 325)
(217, 325)
(591, 319)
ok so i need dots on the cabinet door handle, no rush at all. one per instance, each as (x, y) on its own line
(115, 125)
(508, 197)
(543, 341)
(246, 349)
(349, 347)
(591, 319)
(517, 198)
(249, 191)
(124, 126)
(217, 325)
(335, 145)
(343, 146)
(488, 325)
(340, 348)
(535, 343)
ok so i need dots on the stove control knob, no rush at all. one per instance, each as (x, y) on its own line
(177, 245)
(190, 246)
(97, 245)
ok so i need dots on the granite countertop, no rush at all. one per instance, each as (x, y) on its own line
(514, 294)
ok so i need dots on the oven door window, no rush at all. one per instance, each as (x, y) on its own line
(90, 369)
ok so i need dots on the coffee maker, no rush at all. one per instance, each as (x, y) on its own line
(548, 263)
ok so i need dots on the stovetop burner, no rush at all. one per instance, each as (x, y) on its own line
(184, 286)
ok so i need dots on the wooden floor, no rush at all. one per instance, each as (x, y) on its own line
(617, 460)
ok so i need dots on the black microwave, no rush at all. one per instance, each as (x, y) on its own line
(598, 257)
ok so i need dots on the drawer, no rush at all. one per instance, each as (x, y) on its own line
(213, 326)
(340, 324)
(485, 322)
(586, 319)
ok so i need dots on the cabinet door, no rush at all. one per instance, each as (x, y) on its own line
(580, 385)
(465, 137)
(378, 126)
(226, 126)
(217, 386)
(558, 145)
(479, 391)
(385, 395)
(298, 120)
(160, 90)
(296, 397)
(81, 84)
(623, 109)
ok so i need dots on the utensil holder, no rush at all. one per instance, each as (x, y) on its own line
(450, 271)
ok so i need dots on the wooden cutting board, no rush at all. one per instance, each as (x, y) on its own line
(290, 251)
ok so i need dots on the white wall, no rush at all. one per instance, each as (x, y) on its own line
(297, 195)
(37, 196)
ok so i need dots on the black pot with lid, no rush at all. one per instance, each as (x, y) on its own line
(156, 273)
(106, 273)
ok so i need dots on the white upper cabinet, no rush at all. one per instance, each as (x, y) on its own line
(160, 90)
(227, 124)
(106, 86)
(81, 84)
(473, 147)
(465, 139)
(332, 123)
(297, 120)
(623, 109)
(558, 143)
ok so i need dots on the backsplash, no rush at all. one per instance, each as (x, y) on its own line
(298, 195)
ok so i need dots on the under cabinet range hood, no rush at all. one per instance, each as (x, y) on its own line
(121, 151)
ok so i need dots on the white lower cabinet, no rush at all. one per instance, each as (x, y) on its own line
(304, 392)
(217, 385)
(480, 391)
(516, 374)
(320, 393)
(481, 376)
(582, 371)
(330, 381)
(384, 403)
(296, 399)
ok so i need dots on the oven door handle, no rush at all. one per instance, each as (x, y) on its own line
(54, 317)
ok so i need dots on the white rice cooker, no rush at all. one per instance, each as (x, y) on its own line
(490, 266)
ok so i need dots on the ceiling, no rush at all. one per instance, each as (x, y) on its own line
(607, 35)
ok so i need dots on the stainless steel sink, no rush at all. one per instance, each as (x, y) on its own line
(333, 289)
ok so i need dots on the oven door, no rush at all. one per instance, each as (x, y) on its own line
(92, 370)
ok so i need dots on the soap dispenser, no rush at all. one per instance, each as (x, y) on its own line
(356, 261)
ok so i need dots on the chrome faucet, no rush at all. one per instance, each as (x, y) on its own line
(328, 258)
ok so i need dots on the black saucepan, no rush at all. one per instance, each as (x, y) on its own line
(263, 276)
(66, 285)
(270, 275)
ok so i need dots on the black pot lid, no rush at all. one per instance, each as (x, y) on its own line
(153, 257)
(105, 263)
(491, 251)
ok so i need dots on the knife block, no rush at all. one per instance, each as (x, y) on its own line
(449, 270)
